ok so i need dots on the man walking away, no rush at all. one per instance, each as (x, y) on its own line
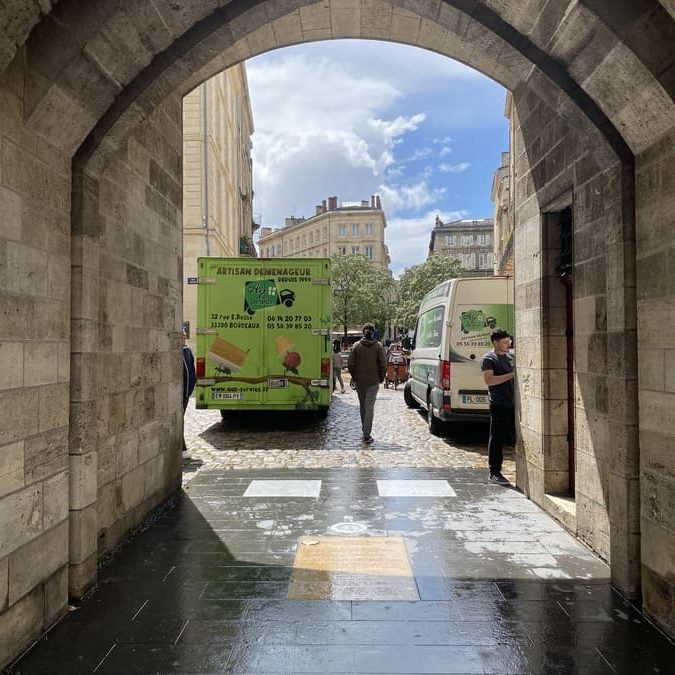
(498, 373)
(367, 365)
(189, 381)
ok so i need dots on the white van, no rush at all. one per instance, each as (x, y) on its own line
(453, 329)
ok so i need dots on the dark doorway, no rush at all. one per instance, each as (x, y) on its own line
(565, 273)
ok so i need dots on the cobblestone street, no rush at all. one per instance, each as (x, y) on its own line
(285, 441)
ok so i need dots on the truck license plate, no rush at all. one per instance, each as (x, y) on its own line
(226, 396)
(474, 399)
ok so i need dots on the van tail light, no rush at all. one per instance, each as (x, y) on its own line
(201, 366)
(325, 368)
(445, 375)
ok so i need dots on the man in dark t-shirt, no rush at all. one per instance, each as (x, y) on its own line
(498, 373)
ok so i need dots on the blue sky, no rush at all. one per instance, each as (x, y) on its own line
(353, 118)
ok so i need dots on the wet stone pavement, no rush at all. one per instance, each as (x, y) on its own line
(302, 551)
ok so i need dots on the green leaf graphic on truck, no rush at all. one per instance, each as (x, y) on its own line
(263, 293)
(475, 320)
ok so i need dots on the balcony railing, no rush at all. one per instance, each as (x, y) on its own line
(246, 246)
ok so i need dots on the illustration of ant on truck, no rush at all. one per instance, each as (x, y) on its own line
(474, 320)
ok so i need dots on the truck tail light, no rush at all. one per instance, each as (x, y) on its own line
(325, 367)
(201, 366)
(444, 382)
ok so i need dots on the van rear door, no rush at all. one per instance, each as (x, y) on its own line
(480, 305)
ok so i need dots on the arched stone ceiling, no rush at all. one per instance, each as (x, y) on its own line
(669, 6)
(95, 69)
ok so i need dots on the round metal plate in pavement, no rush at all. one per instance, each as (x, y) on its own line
(348, 528)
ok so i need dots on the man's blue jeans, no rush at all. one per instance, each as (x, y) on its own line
(367, 397)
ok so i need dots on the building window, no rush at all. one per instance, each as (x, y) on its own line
(467, 239)
(342, 230)
(356, 250)
(304, 241)
(484, 239)
(311, 238)
(324, 232)
(342, 250)
(470, 261)
(355, 229)
(369, 252)
(450, 239)
(369, 228)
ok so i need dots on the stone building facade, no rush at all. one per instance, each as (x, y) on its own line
(470, 241)
(91, 264)
(217, 176)
(348, 229)
(503, 197)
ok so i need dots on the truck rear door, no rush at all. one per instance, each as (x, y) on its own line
(263, 333)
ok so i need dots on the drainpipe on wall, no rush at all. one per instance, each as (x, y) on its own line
(205, 217)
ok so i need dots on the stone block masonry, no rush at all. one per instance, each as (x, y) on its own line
(90, 291)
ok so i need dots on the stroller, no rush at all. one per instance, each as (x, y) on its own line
(397, 368)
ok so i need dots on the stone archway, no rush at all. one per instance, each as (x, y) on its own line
(100, 85)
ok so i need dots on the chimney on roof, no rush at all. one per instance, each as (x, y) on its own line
(332, 203)
(323, 206)
(378, 202)
(439, 222)
(364, 202)
(319, 209)
(372, 201)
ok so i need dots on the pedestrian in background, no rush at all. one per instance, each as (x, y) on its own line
(498, 373)
(189, 381)
(337, 367)
(367, 365)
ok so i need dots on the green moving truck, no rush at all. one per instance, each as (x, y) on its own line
(263, 334)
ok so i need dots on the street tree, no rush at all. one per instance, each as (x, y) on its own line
(362, 291)
(417, 281)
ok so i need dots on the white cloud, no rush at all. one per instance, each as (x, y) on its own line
(356, 118)
(408, 238)
(309, 145)
(454, 168)
(413, 196)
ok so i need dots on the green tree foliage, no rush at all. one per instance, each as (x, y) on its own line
(417, 281)
(362, 291)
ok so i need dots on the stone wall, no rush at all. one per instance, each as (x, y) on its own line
(126, 419)
(656, 359)
(88, 446)
(34, 375)
(556, 168)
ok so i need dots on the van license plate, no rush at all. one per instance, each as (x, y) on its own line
(474, 399)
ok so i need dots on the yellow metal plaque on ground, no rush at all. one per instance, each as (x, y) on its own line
(352, 568)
